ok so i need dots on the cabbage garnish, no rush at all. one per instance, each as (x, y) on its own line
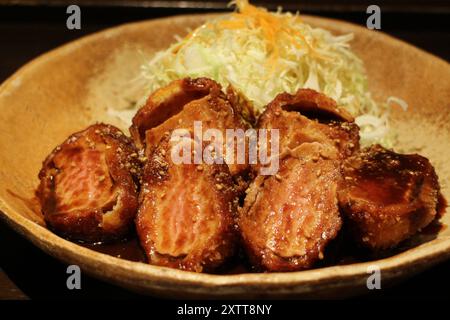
(264, 53)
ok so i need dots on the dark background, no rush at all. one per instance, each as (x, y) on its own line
(29, 28)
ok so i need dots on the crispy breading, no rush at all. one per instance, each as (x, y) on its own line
(387, 197)
(186, 213)
(88, 185)
(289, 218)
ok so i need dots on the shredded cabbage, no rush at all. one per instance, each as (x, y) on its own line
(262, 54)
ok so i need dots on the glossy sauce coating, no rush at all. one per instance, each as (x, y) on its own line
(186, 212)
(88, 185)
(387, 197)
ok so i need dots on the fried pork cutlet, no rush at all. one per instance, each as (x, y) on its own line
(186, 212)
(182, 105)
(88, 187)
(309, 116)
(289, 218)
(387, 197)
(167, 102)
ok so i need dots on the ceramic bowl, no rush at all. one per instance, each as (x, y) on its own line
(72, 86)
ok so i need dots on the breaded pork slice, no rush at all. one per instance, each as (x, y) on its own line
(167, 102)
(289, 218)
(88, 185)
(387, 197)
(187, 103)
(309, 116)
(186, 213)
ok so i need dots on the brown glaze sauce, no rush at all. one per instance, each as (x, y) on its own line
(130, 249)
(384, 177)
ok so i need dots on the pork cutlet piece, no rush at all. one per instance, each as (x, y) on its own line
(289, 218)
(309, 116)
(186, 213)
(180, 105)
(88, 185)
(387, 197)
(167, 102)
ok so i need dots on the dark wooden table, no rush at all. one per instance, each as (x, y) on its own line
(27, 31)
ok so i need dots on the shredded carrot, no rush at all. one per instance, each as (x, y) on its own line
(275, 28)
